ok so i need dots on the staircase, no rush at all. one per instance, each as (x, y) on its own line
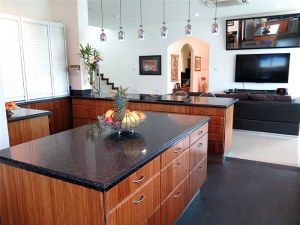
(105, 84)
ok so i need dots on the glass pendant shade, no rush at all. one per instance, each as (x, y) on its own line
(103, 36)
(215, 29)
(141, 34)
(121, 35)
(164, 32)
(188, 30)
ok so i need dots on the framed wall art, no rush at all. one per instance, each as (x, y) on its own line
(197, 63)
(174, 67)
(150, 65)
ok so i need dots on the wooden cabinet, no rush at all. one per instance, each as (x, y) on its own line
(198, 176)
(60, 119)
(28, 129)
(174, 173)
(174, 205)
(138, 207)
(198, 151)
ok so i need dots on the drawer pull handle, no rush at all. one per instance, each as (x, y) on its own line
(139, 201)
(139, 180)
(177, 165)
(178, 195)
(177, 150)
(200, 132)
(199, 168)
(199, 145)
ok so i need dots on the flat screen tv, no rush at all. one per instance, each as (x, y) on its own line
(262, 68)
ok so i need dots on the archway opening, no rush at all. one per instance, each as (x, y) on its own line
(185, 80)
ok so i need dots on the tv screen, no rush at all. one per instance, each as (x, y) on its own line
(262, 68)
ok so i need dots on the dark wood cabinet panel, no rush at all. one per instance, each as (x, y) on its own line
(198, 177)
(62, 115)
(198, 151)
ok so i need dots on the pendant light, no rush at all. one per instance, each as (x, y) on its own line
(164, 29)
(215, 28)
(102, 35)
(188, 28)
(121, 34)
(141, 32)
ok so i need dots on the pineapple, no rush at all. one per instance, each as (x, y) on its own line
(120, 100)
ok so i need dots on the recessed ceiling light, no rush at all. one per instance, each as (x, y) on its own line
(197, 14)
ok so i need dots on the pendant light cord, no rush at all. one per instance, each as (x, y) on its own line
(216, 9)
(189, 11)
(102, 14)
(141, 16)
(164, 8)
(120, 14)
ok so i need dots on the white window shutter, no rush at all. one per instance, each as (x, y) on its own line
(58, 59)
(37, 58)
(11, 59)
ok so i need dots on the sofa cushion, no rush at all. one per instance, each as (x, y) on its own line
(270, 97)
(241, 96)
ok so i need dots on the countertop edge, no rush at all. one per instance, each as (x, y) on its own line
(9, 120)
(95, 185)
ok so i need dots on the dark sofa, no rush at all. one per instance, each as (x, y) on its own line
(266, 113)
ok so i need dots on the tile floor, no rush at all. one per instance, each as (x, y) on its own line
(241, 192)
(266, 147)
(257, 184)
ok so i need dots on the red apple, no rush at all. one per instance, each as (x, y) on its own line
(108, 120)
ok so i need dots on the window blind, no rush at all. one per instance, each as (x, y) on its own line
(11, 59)
(58, 58)
(37, 59)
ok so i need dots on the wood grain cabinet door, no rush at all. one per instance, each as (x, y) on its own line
(174, 174)
(198, 133)
(174, 205)
(198, 151)
(138, 207)
(198, 177)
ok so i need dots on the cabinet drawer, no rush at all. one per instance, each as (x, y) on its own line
(78, 122)
(173, 174)
(198, 151)
(87, 112)
(179, 109)
(87, 102)
(173, 206)
(168, 156)
(216, 120)
(215, 147)
(156, 107)
(154, 219)
(131, 184)
(198, 176)
(138, 207)
(134, 106)
(205, 111)
(198, 133)
(109, 104)
(219, 129)
(215, 137)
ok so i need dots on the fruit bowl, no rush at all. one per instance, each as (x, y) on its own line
(128, 124)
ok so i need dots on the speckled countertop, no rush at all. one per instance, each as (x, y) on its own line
(98, 158)
(22, 114)
(214, 102)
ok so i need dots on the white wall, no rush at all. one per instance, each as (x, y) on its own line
(4, 142)
(121, 58)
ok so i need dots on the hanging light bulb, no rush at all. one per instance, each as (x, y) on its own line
(121, 34)
(102, 35)
(141, 32)
(164, 29)
(188, 28)
(215, 28)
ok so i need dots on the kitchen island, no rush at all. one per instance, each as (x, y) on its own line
(92, 175)
(220, 110)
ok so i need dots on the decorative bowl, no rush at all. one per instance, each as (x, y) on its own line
(117, 125)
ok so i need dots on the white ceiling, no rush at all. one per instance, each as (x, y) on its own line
(177, 10)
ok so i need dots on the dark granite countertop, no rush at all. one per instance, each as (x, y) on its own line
(23, 114)
(214, 102)
(98, 158)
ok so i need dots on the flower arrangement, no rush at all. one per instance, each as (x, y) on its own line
(91, 58)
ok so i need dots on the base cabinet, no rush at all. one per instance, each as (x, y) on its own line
(174, 205)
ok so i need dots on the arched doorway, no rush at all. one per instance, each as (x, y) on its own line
(199, 75)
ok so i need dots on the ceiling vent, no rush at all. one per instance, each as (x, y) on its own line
(225, 3)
